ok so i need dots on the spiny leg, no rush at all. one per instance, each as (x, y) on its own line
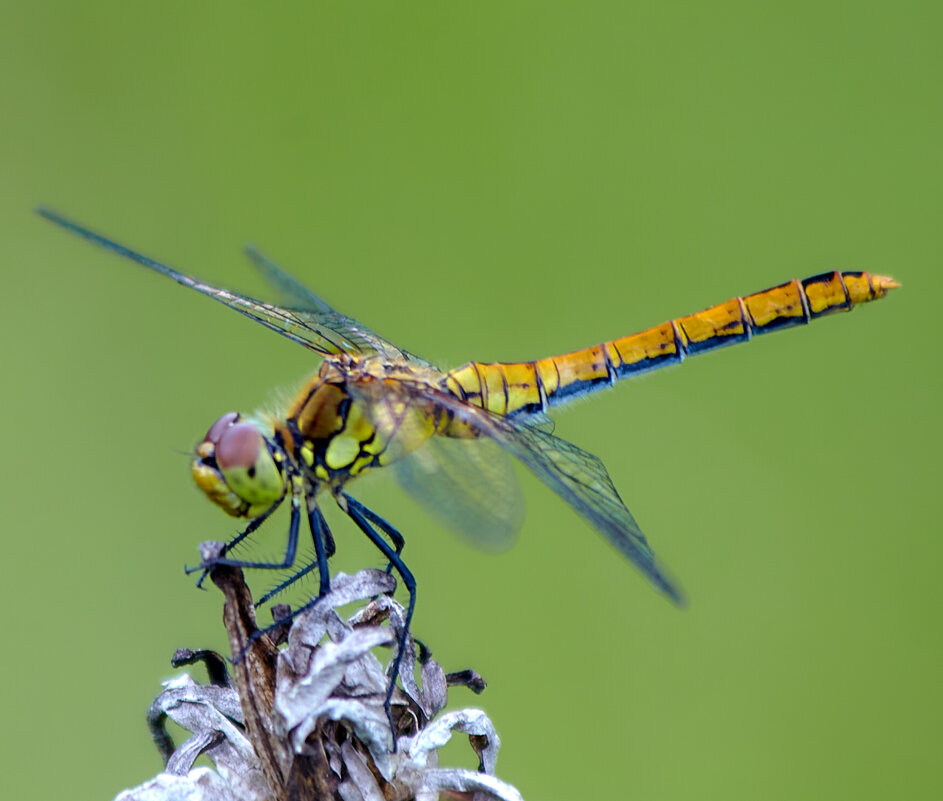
(319, 533)
(290, 551)
(284, 585)
(362, 517)
(317, 523)
(399, 541)
(253, 525)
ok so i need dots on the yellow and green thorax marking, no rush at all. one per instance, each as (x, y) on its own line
(340, 438)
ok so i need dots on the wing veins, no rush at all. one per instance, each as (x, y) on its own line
(598, 502)
(275, 318)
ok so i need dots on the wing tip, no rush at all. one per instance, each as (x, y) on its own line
(251, 250)
(49, 214)
(667, 587)
(676, 596)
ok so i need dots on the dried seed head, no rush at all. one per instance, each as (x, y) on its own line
(308, 721)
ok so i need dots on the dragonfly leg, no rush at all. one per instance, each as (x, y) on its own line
(322, 537)
(320, 528)
(253, 525)
(323, 549)
(284, 585)
(290, 551)
(363, 517)
(321, 534)
(399, 541)
(329, 547)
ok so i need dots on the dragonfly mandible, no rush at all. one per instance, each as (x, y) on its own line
(446, 433)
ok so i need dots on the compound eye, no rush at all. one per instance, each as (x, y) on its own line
(216, 431)
(248, 466)
(237, 445)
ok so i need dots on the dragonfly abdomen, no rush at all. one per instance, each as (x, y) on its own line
(530, 387)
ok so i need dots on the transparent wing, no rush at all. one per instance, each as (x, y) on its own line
(580, 478)
(314, 330)
(469, 486)
(291, 290)
(305, 305)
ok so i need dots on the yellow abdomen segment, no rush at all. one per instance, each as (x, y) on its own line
(530, 387)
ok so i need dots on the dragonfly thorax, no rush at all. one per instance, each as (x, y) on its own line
(238, 467)
(333, 439)
(355, 417)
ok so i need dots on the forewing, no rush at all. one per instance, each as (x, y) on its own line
(467, 485)
(307, 306)
(312, 330)
(291, 291)
(580, 478)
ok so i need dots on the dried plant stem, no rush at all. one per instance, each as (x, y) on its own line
(291, 776)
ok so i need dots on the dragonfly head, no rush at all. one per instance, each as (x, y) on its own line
(238, 467)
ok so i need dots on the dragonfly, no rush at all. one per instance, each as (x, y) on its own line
(446, 434)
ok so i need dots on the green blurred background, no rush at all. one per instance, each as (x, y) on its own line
(494, 181)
